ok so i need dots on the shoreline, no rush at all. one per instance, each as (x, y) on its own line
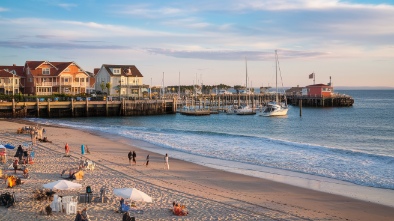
(263, 198)
(308, 181)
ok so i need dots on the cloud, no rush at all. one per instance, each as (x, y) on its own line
(233, 55)
(58, 45)
(67, 6)
(3, 9)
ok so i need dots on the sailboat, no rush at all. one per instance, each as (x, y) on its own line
(275, 108)
(243, 109)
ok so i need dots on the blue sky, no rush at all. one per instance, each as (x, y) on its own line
(207, 41)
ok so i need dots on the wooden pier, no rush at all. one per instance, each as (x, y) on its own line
(209, 103)
(58, 109)
(315, 101)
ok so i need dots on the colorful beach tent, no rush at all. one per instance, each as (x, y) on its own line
(9, 146)
(133, 194)
(62, 185)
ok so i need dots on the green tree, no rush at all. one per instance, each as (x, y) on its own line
(102, 85)
(108, 86)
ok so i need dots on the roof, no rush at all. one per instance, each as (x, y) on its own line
(7, 74)
(127, 70)
(59, 67)
(95, 71)
(318, 85)
(294, 89)
(18, 69)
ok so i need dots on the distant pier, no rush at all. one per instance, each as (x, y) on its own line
(321, 101)
(209, 103)
(58, 109)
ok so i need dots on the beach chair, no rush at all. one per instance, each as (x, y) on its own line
(71, 208)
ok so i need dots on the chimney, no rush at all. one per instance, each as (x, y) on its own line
(14, 65)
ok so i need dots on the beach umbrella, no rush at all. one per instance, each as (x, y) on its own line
(62, 185)
(9, 146)
(133, 194)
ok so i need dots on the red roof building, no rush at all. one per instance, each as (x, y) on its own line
(318, 90)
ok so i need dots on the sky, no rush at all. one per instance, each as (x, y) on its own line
(209, 41)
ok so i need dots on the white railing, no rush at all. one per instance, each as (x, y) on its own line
(44, 93)
(51, 84)
(47, 84)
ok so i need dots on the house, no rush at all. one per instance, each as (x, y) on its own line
(9, 82)
(318, 90)
(120, 80)
(47, 78)
(294, 91)
(11, 79)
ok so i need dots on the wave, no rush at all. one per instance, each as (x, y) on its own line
(354, 166)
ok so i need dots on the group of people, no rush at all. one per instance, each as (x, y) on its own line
(132, 157)
(179, 210)
(82, 215)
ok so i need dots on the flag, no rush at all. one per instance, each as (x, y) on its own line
(311, 76)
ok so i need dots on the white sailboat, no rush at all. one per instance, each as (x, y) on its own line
(275, 108)
(242, 109)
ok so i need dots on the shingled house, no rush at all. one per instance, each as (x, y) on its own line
(120, 80)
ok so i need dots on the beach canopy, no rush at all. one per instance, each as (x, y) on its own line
(62, 185)
(9, 146)
(2, 146)
(133, 194)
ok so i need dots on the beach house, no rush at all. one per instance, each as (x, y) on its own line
(120, 81)
(47, 78)
(10, 79)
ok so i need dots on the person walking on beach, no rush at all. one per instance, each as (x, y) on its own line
(134, 156)
(147, 160)
(129, 156)
(166, 162)
(66, 149)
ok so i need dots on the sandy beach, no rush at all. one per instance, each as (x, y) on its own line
(209, 194)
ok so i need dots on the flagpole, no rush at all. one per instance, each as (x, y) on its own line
(314, 77)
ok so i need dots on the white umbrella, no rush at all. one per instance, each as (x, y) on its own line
(133, 194)
(62, 185)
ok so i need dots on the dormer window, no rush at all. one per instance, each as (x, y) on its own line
(116, 71)
(45, 71)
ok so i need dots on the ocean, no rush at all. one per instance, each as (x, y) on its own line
(347, 146)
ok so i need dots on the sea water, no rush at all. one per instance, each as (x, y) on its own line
(347, 146)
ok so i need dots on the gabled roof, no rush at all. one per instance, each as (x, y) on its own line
(18, 69)
(95, 71)
(59, 67)
(35, 64)
(6, 74)
(126, 70)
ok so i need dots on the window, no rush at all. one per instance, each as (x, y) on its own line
(116, 71)
(67, 69)
(30, 80)
(45, 71)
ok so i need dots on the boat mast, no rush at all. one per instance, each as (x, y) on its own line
(246, 66)
(276, 74)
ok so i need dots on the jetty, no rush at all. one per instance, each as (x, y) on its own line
(57, 109)
(197, 106)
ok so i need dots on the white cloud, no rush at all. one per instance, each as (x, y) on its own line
(3, 9)
(67, 6)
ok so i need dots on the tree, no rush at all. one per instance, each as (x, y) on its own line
(108, 86)
(102, 85)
